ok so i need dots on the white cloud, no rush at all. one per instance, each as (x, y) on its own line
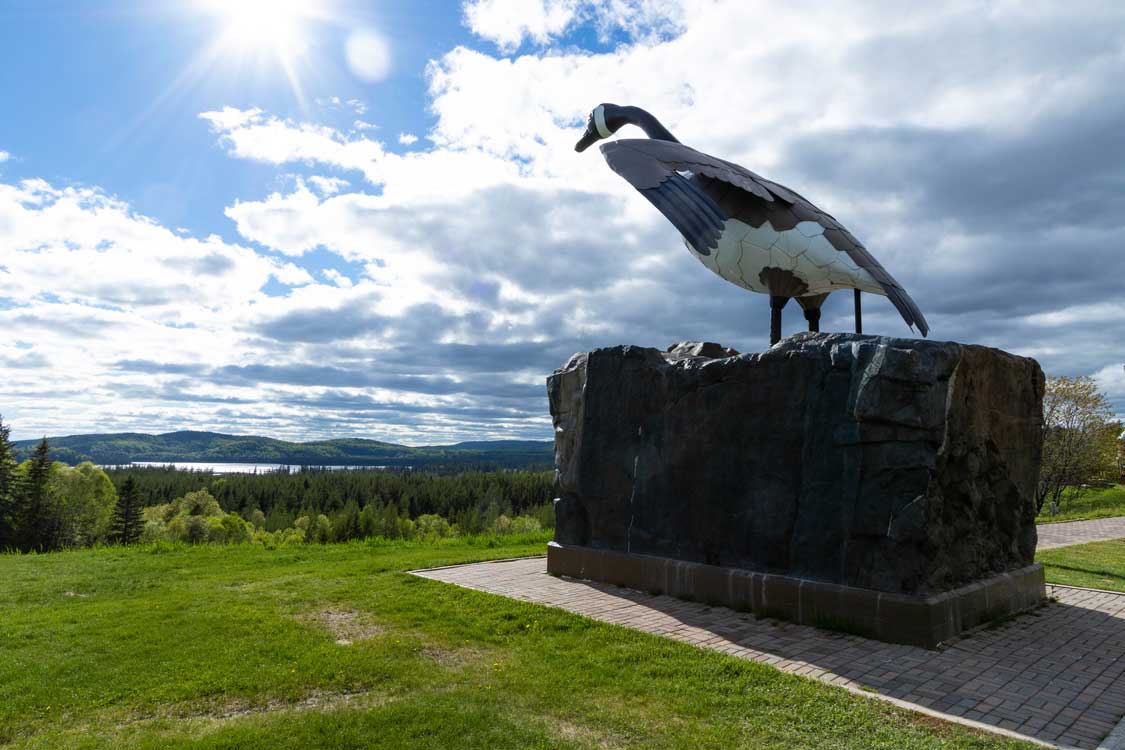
(353, 105)
(154, 330)
(328, 185)
(81, 246)
(338, 278)
(252, 135)
(975, 149)
(230, 118)
(1108, 312)
(904, 97)
(4, 156)
(407, 139)
(507, 22)
(404, 177)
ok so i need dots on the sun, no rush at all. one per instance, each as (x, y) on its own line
(256, 26)
(263, 34)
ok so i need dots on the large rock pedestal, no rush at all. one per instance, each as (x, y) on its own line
(879, 485)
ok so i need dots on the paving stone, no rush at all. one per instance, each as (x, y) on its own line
(1053, 535)
(1054, 677)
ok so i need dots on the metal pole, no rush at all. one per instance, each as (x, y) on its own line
(858, 314)
(777, 302)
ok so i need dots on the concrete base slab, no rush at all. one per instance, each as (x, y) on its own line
(895, 618)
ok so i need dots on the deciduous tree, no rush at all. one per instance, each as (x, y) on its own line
(81, 500)
(1079, 439)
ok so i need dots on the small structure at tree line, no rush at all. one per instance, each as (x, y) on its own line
(751, 231)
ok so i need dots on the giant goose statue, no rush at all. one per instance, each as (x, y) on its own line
(754, 233)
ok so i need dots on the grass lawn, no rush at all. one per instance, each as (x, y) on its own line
(337, 647)
(1091, 504)
(1099, 565)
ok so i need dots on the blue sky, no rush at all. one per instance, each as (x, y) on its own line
(105, 97)
(213, 217)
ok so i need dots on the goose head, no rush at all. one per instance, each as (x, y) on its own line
(603, 122)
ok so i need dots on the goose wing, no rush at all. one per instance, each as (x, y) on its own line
(691, 210)
(698, 208)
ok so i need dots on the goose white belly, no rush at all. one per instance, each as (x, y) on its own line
(745, 251)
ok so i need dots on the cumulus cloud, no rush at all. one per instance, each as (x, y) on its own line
(407, 139)
(82, 246)
(974, 148)
(328, 185)
(508, 23)
(252, 135)
(984, 172)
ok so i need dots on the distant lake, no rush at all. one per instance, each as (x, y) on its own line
(230, 468)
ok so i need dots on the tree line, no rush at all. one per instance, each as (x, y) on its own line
(47, 505)
(471, 500)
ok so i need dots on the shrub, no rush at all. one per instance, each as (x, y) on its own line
(430, 527)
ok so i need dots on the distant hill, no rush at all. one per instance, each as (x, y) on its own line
(214, 447)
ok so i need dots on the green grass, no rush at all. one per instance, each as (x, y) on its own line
(213, 647)
(1099, 565)
(1090, 504)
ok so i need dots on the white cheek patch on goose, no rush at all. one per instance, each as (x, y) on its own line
(599, 122)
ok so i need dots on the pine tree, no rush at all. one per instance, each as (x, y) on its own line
(7, 486)
(127, 524)
(36, 527)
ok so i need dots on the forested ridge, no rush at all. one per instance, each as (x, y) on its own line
(191, 446)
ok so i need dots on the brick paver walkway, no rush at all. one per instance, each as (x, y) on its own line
(1080, 532)
(1055, 675)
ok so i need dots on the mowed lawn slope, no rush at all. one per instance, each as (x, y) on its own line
(338, 647)
(1098, 565)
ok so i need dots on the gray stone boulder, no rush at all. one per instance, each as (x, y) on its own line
(899, 465)
(706, 349)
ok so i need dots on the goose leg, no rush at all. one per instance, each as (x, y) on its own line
(813, 316)
(811, 305)
(777, 302)
(858, 314)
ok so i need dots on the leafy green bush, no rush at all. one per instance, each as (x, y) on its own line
(195, 518)
(430, 527)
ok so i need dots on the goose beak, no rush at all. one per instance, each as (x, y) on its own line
(588, 138)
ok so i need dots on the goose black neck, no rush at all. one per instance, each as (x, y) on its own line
(649, 124)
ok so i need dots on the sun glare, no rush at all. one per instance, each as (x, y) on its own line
(254, 26)
(263, 34)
